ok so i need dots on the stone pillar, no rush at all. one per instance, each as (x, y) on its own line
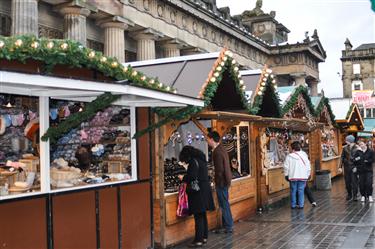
(146, 44)
(172, 47)
(299, 79)
(313, 84)
(25, 17)
(75, 23)
(114, 37)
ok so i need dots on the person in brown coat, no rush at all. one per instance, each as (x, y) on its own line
(223, 178)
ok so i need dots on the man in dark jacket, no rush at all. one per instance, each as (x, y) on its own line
(350, 171)
(223, 177)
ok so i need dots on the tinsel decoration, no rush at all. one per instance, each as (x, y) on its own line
(54, 52)
(73, 121)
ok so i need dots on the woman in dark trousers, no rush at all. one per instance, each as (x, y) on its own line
(199, 201)
(308, 193)
(363, 159)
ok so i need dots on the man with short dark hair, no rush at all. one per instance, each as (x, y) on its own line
(297, 170)
(223, 177)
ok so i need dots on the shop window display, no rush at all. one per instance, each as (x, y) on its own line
(329, 143)
(98, 151)
(19, 139)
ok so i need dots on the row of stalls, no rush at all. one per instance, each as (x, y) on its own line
(257, 121)
(71, 176)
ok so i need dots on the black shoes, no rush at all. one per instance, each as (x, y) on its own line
(195, 244)
(223, 230)
(348, 197)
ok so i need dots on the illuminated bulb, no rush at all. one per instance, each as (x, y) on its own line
(261, 88)
(274, 81)
(236, 69)
(263, 83)
(264, 79)
(243, 87)
(272, 76)
(174, 91)
(9, 105)
(260, 93)
(230, 54)
(134, 73)
(92, 54)
(151, 81)
(213, 79)
(2, 44)
(64, 46)
(35, 44)
(275, 86)
(241, 82)
(225, 58)
(222, 63)
(168, 88)
(143, 77)
(18, 43)
(219, 68)
(266, 75)
(216, 74)
(103, 59)
(268, 70)
(50, 45)
(233, 61)
(160, 85)
(125, 69)
(80, 109)
(227, 52)
(114, 64)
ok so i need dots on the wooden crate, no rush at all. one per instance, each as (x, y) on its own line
(116, 166)
(32, 164)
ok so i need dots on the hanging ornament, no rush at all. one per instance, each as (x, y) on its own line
(2, 44)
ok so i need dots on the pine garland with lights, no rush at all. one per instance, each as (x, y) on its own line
(73, 121)
(267, 85)
(54, 52)
(349, 111)
(293, 100)
(324, 102)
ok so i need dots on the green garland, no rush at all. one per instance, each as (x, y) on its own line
(325, 102)
(349, 111)
(54, 52)
(294, 99)
(258, 100)
(75, 120)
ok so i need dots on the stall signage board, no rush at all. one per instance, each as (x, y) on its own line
(362, 97)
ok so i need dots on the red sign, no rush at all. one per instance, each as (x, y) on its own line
(361, 97)
(370, 103)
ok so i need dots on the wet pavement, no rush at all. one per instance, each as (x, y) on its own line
(334, 223)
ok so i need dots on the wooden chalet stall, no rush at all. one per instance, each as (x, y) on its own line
(215, 78)
(71, 176)
(283, 122)
(330, 136)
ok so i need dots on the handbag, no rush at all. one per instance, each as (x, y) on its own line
(194, 184)
(183, 206)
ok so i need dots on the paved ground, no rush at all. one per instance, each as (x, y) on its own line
(335, 223)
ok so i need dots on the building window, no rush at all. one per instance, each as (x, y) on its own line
(357, 85)
(95, 45)
(368, 113)
(362, 112)
(5, 25)
(356, 68)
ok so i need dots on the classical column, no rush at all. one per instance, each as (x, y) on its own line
(299, 79)
(25, 17)
(75, 23)
(146, 44)
(114, 37)
(172, 47)
(313, 84)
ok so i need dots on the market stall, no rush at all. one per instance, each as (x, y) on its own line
(329, 133)
(72, 176)
(214, 77)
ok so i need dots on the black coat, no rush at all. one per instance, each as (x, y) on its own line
(364, 160)
(202, 200)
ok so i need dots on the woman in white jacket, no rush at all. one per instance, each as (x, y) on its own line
(297, 170)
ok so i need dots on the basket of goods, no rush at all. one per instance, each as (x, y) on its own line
(62, 175)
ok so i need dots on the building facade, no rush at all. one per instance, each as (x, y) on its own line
(358, 74)
(147, 29)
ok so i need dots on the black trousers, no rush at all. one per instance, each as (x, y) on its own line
(201, 227)
(351, 182)
(365, 183)
(309, 194)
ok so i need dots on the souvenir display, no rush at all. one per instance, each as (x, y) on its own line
(329, 143)
(171, 171)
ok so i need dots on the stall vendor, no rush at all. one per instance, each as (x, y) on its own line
(234, 168)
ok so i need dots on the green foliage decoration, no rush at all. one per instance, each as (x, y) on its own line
(294, 99)
(325, 102)
(52, 52)
(73, 121)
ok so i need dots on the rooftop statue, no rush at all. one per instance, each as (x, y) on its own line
(257, 11)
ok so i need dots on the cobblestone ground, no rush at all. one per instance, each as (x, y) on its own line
(335, 223)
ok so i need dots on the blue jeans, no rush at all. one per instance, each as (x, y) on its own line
(223, 199)
(297, 188)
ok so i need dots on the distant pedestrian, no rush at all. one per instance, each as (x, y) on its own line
(223, 178)
(350, 171)
(297, 170)
(200, 200)
(363, 159)
(234, 168)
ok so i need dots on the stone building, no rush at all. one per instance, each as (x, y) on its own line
(358, 73)
(148, 29)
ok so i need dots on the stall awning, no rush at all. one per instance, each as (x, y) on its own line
(82, 90)
(369, 124)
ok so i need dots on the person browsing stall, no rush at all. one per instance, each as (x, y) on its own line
(297, 170)
(364, 157)
(223, 178)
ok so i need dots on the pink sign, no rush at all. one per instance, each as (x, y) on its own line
(370, 103)
(361, 97)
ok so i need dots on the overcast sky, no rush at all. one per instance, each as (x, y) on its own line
(335, 21)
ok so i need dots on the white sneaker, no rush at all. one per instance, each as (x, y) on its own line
(370, 199)
(363, 199)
